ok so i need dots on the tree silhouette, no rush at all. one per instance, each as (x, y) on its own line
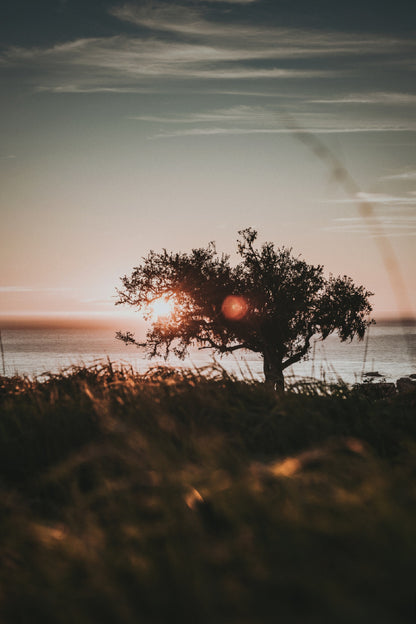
(271, 302)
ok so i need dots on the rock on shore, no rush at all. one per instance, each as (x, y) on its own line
(382, 389)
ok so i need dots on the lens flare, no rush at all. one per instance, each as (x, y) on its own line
(234, 307)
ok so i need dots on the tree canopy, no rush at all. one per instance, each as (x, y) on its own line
(271, 302)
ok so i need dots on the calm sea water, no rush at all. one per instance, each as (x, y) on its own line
(391, 350)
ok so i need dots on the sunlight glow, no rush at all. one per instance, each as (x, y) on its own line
(162, 307)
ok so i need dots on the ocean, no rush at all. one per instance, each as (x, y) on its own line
(389, 349)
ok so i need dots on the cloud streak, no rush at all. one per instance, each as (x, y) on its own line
(235, 114)
(267, 41)
(171, 48)
(119, 57)
(266, 119)
(379, 199)
(31, 289)
(379, 98)
(394, 215)
(240, 131)
(179, 42)
(392, 225)
(405, 175)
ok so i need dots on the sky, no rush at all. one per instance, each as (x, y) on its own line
(147, 125)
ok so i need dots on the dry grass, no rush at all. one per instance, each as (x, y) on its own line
(183, 497)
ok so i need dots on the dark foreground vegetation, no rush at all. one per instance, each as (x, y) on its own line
(176, 497)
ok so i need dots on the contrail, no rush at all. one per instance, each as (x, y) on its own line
(366, 211)
(2, 355)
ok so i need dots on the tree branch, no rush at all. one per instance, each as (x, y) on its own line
(223, 348)
(300, 354)
(128, 338)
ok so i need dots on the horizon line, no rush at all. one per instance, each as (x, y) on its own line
(92, 320)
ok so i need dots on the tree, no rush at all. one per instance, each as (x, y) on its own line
(271, 302)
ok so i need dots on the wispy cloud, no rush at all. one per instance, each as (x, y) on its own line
(393, 215)
(101, 302)
(405, 175)
(217, 131)
(99, 62)
(239, 131)
(179, 42)
(388, 225)
(379, 98)
(234, 114)
(268, 41)
(31, 289)
(265, 119)
(172, 48)
(75, 88)
(243, 119)
(379, 198)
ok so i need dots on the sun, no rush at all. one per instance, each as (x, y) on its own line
(161, 307)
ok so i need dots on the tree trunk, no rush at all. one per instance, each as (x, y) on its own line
(273, 372)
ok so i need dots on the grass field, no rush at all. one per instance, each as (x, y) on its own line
(198, 498)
